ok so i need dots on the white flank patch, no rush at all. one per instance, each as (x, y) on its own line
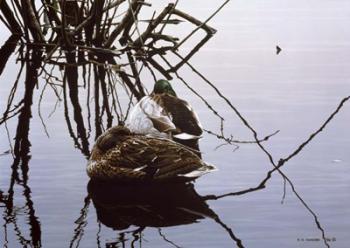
(186, 136)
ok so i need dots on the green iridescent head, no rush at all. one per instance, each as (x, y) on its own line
(163, 86)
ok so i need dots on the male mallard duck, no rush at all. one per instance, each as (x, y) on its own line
(121, 155)
(162, 114)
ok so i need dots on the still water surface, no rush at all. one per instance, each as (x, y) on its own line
(294, 92)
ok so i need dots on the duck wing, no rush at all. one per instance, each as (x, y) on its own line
(142, 157)
(183, 116)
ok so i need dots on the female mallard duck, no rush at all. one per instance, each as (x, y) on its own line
(163, 115)
(121, 155)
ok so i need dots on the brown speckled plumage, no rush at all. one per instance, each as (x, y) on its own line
(120, 155)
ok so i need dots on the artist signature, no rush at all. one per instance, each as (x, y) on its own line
(333, 239)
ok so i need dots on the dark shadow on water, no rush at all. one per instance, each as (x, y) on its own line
(122, 206)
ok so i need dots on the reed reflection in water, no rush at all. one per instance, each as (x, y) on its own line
(21, 151)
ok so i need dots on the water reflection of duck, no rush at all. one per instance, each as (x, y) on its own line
(163, 114)
(121, 206)
(121, 155)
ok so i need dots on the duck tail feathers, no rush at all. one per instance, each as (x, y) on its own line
(200, 172)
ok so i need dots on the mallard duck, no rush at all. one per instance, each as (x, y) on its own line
(162, 114)
(121, 155)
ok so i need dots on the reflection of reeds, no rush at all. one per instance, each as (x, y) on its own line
(71, 77)
(21, 158)
(81, 224)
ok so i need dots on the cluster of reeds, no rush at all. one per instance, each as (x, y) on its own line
(104, 45)
(101, 31)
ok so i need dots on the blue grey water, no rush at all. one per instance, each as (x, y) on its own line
(294, 92)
